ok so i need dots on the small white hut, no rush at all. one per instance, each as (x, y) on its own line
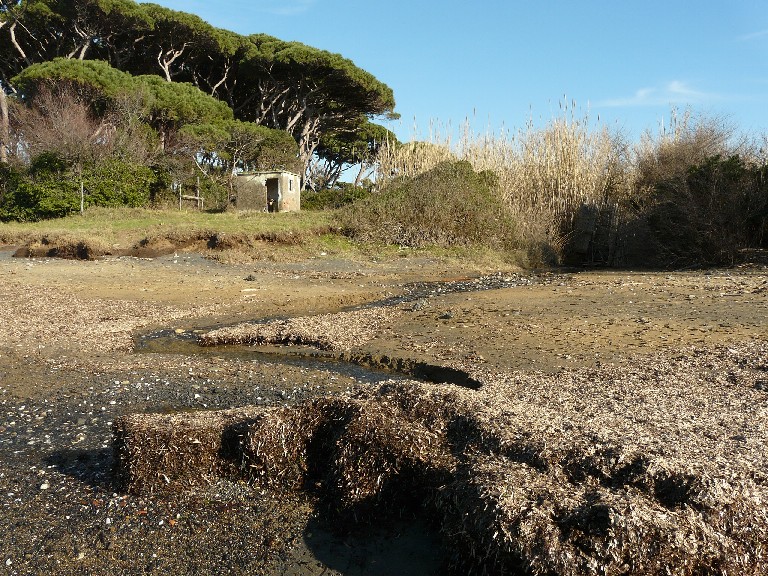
(275, 191)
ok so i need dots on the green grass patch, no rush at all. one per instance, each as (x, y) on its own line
(233, 237)
(128, 226)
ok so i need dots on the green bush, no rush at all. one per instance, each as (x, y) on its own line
(343, 194)
(50, 189)
(10, 177)
(116, 183)
(42, 192)
(449, 205)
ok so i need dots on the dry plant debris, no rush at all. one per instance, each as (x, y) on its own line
(334, 332)
(52, 317)
(174, 451)
(656, 468)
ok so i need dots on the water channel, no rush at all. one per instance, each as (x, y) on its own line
(363, 369)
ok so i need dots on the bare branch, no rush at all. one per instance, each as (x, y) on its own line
(16, 44)
(167, 57)
(223, 79)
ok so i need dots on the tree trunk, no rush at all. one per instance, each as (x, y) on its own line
(359, 177)
(5, 131)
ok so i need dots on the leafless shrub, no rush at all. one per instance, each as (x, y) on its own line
(58, 120)
(664, 158)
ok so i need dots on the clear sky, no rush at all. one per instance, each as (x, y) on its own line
(501, 62)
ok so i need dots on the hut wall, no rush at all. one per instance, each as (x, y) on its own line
(268, 191)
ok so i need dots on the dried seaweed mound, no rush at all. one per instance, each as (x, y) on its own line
(171, 452)
(360, 450)
(357, 451)
(506, 512)
(650, 470)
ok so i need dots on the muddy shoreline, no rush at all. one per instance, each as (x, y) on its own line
(68, 370)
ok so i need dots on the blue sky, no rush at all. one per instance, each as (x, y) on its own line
(501, 62)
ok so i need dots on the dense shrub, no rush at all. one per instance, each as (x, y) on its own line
(50, 189)
(10, 177)
(449, 205)
(117, 183)
(342, 194)
(707, 217)
(41, 192)
(698, 196)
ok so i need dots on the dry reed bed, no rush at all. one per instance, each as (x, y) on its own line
(545, 174)
(612, 471)
(336, 332)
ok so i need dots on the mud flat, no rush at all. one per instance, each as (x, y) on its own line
(612, 404)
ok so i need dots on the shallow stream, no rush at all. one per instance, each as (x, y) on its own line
(363, 369)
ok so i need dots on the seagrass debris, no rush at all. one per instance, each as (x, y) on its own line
(334, 332)
(455, 373)
(633, 471)
(358, 452)
(174, 452)
(92, 324)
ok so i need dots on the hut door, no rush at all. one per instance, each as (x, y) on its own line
(273, 194)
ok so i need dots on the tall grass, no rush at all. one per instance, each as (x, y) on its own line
(693, 192)
(545, 175)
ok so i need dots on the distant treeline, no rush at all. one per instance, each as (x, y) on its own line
(111, 102)
(91, 89)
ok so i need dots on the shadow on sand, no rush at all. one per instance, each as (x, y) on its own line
(402, 547)
(92, 467)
